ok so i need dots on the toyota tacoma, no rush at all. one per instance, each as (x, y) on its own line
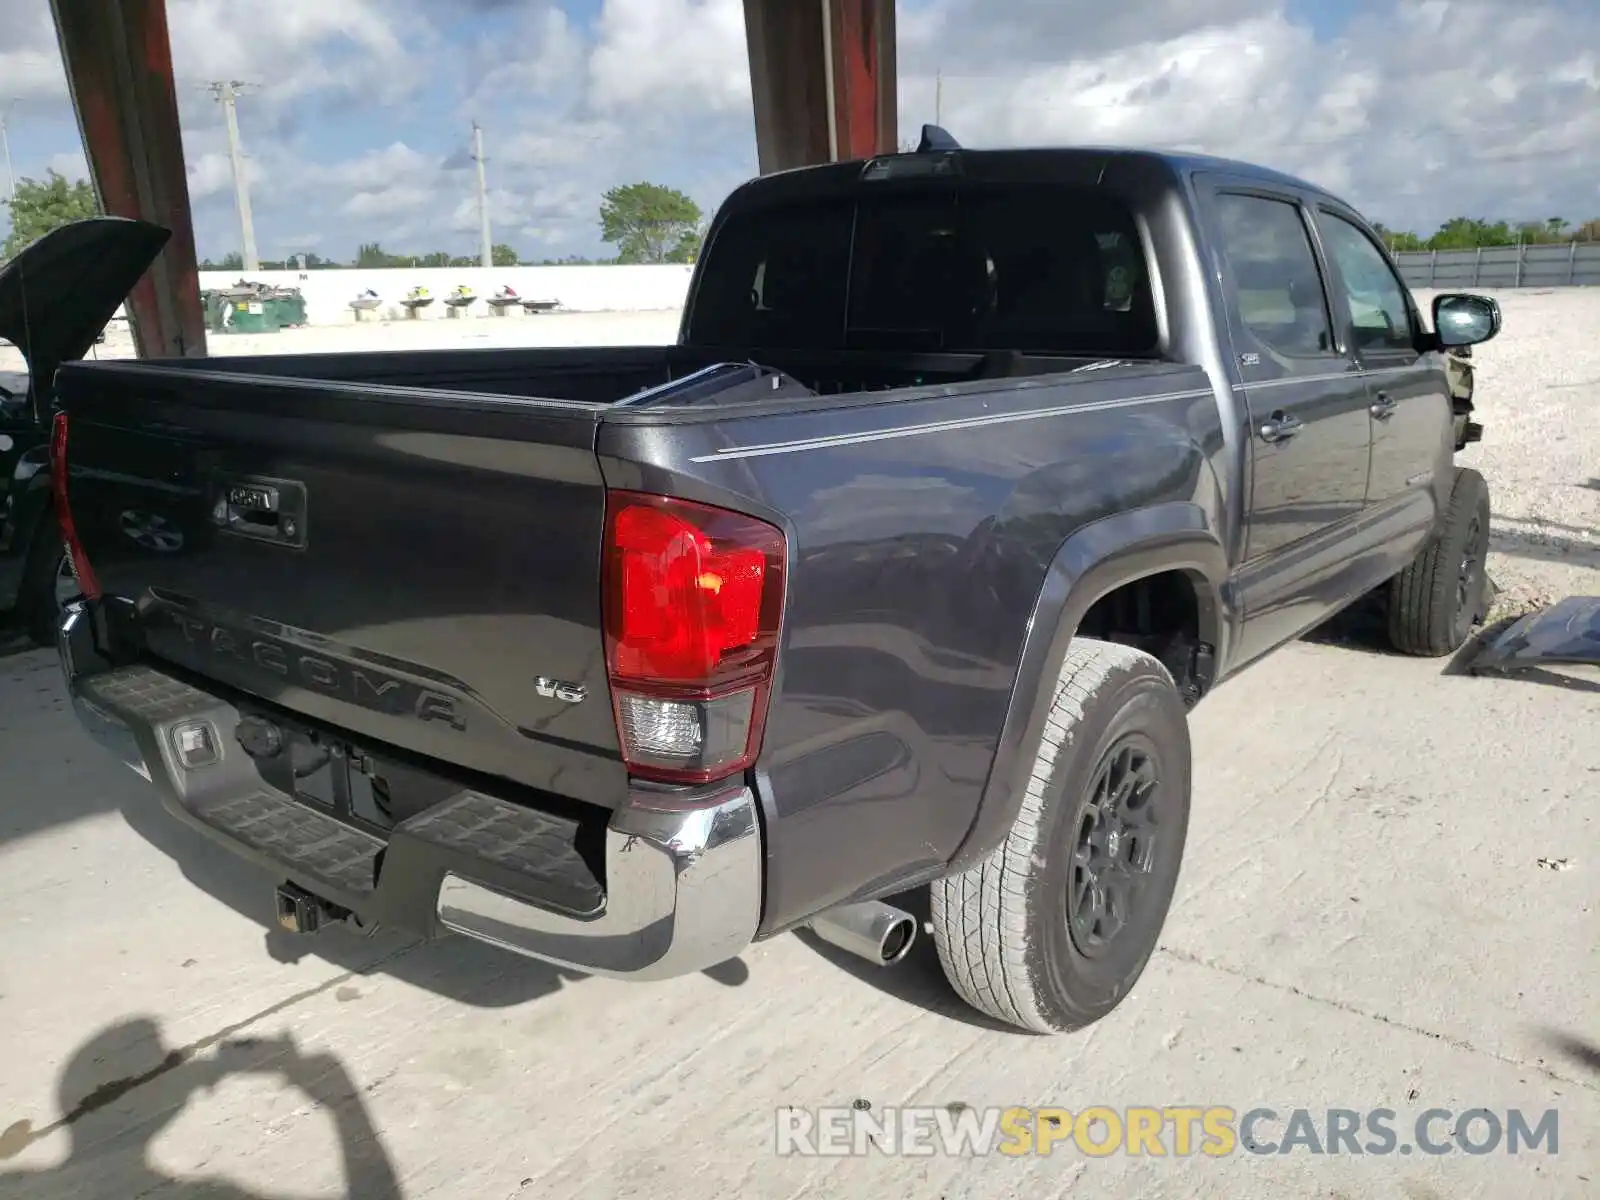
(969, 473)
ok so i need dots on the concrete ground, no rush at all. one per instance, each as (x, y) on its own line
(1389, 901)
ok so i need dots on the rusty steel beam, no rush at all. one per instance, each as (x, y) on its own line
(118, 59)
(822, 80)
(864, 79)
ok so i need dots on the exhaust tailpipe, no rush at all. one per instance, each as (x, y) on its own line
(871, 930)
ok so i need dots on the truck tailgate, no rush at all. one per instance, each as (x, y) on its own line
(415, 567)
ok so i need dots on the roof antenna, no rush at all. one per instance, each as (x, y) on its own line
(936, 140)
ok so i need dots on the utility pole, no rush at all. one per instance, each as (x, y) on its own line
(5, 141)
(487, 249)
(227, 92)
(938, 98)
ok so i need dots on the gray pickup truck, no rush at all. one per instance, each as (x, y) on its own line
(970, 472)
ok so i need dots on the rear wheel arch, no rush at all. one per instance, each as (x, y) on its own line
(1167, 553)
(36, 600)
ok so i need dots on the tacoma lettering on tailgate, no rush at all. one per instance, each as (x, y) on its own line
(246, 658)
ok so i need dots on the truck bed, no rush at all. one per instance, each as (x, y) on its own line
(363, 542)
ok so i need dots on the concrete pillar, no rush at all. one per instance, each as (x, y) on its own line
(118, 60)
(822, 79)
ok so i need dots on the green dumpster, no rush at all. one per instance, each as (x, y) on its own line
(216, 310)
(288, 307)
(253, 316)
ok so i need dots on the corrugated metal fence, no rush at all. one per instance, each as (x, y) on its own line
(1569, 264)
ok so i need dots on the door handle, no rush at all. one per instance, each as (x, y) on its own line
(1280, 427)
(1383, 407)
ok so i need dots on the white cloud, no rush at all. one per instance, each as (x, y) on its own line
(1504, 100)
(670, 53)
(549, 64)
(1416, 111)
(70, 163)
(30, 66)
(267, 46)
(212, 173)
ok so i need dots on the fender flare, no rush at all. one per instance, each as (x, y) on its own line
(1093, 562)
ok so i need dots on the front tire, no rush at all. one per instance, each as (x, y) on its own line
(1435, 602)
(1052, 929)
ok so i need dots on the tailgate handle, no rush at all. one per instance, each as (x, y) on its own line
(269, 510)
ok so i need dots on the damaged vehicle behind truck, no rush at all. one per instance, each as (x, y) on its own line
(969, 474)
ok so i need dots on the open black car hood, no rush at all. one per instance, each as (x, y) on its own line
(60, 292)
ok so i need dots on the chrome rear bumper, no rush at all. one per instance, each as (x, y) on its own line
(683, 892)
(682, 871)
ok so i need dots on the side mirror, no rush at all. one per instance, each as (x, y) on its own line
(1462, 319)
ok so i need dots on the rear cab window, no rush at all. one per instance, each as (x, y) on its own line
(1040, 268)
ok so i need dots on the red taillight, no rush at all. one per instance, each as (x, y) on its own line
(87, 583)
(693, 596)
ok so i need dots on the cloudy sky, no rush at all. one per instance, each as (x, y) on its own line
(361, 110)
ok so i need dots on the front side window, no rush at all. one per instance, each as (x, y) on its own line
(1379, 314)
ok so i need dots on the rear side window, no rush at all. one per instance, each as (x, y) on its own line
(1040, 269)
(1277, 286)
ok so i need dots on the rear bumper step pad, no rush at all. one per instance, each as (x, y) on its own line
(682, 887)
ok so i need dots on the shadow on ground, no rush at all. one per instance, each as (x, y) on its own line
(51, 774)
(1363, 626)
(14, 642)
(459, 968)
(917, 979)
(124, 1086)
(1581, 1051)
(1546, 547)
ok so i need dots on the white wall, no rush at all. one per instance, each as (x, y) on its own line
(579, 289)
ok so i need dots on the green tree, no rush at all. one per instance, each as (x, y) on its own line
(44, 205)
(371, 254)
(1468, 233)
(502, 255)
(649, 223)
(1398, 240)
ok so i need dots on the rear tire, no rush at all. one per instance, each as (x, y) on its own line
(1435, 602)
(39, 601)
(1034, 935)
